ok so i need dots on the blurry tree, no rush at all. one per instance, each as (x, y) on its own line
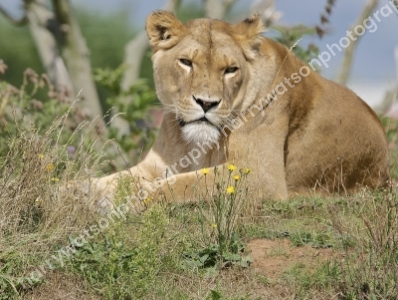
(268, 11)
(389, 105)
(70, 70)
(76, 54)
(393, 112)
(134, 55)
(217, 9)
(19, 53)
(41, 22)
(349, 51)
(106, 35)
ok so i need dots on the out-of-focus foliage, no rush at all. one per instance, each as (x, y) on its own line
(291, 36)
(18, 51)
(391, 129)
(20, 110)
(105, 34)
(135, 112)
(37, 106)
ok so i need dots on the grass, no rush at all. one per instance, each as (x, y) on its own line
(37, 213)
(143, 256)
(187, 251)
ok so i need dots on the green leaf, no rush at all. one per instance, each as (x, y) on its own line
(215, 295)
(203, 258)
(232, 257)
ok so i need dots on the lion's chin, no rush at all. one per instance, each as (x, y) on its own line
(199, 133)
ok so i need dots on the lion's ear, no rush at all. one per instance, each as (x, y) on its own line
(163, 29)
(249, 34)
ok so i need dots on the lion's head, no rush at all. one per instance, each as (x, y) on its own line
(205, 70)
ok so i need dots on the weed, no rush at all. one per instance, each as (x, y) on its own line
(40, 150)
(132, 106)
(305, 278)
(370, 267)
(218, 214)
(119, 267)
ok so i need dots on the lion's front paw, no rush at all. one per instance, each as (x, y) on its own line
(103, 194)
(105, 203)
(95, 192)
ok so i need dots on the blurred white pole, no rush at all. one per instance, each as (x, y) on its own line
(390, 102)
(349, 51)
(267, 10)
(217, 9)
(134, 53)
(396, 61)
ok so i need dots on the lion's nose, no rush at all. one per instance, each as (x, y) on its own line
(206, 105)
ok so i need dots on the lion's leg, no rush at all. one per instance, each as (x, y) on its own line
(263, 151)
(140, 176)
(188, 187)
(192, 186)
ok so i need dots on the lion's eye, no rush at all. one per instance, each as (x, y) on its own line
(231, 70)
(186, 62)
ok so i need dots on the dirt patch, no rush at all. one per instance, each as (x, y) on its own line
(272, 257)
(61, 286)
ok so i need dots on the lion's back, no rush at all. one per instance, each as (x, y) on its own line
(344, 145)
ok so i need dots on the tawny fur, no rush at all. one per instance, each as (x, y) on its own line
(318, 135)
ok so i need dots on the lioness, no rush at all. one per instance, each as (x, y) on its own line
(231, 95)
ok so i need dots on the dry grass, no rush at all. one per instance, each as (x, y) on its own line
(371, 261)
(37, 212)
(62, 286)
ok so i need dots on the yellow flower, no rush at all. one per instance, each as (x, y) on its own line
(41, 155)
(230, 190)
(50, 167)
(231, 167)
(147, 200)
(54, 179)
(213, 225)
(246, 170)
(236, 177)
(205, 171)
(38, 202)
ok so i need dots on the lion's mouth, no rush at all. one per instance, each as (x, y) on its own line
(201, 120)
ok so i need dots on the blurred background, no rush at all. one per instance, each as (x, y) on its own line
(108, 26)
(99, 48)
